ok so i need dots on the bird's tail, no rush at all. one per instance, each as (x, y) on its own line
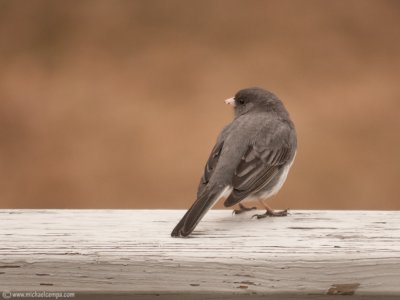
(195, 213)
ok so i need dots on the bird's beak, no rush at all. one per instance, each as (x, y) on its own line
(231, 101)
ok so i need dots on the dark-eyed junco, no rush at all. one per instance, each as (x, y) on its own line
(250, 160)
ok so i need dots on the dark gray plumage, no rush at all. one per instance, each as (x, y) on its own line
(250, 159)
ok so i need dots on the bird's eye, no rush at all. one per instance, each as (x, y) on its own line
(240, 101)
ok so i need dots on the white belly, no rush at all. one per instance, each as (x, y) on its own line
(277, 186)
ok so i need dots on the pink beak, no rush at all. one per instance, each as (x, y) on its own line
(231, 101)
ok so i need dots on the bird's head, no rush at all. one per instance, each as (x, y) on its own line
(253, 99)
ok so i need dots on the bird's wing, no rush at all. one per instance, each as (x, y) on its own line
(262, 161)
(212, 160)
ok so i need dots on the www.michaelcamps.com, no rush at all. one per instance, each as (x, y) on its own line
(36, 294)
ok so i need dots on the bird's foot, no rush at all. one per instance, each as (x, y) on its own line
(242, 209)
(272, 213)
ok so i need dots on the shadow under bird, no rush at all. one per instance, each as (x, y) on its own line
(250, 160)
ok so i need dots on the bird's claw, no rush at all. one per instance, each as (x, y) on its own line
(258, 216)
(242, 210)
(271, 213)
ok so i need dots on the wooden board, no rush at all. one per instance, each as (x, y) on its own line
(129, 254)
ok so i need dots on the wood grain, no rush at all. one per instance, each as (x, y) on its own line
(125, 254)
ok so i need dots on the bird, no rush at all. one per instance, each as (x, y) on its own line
(250, 160)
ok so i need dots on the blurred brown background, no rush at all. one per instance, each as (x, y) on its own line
(117, 103)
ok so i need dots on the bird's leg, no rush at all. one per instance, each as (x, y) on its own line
(270, 212)
(242, 209)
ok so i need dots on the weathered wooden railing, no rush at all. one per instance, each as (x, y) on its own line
(129, 254)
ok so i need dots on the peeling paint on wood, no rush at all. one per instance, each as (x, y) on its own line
(343, 289)
(99, 254)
